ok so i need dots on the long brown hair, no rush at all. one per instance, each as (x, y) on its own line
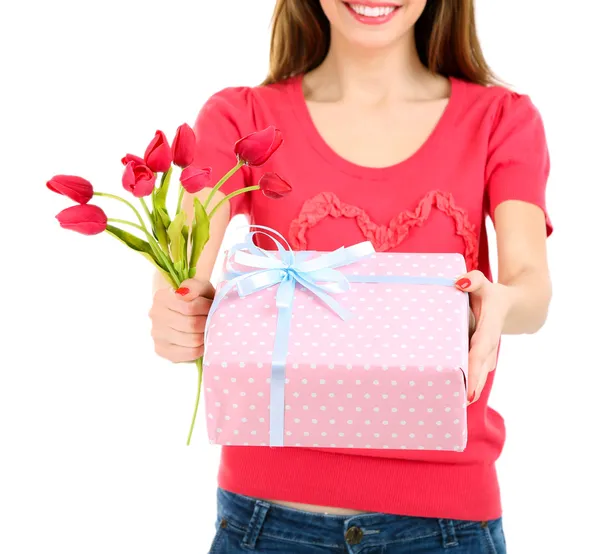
(445, 36)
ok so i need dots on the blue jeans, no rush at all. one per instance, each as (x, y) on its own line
(247, 524)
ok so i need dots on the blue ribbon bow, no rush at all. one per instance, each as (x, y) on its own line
(285, 268)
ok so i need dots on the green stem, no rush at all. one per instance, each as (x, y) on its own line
(145, 206)
(157, 247)
(124, 222)
(230, 196)
(115, 197)
(153, 244)
(181, 191)
(220, 183)
(199, 366)
(166, 176)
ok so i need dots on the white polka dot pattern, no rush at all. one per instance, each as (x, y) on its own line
(391, 377)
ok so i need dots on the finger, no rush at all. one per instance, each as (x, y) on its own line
(474, 282)
(186, 323)
(493, 357)
(494, 362)
(478, 357)
(472, 323)
(177, 354)
(476, 393)
(193, 288)
(486, 337)
(164, 317)
(177, 338)
(478, 389)
(193, 307)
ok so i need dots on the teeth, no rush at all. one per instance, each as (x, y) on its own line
(372, 11)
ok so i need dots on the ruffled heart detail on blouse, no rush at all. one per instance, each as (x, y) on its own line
(385, 237)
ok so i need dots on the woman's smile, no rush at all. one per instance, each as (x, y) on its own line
(372, 13)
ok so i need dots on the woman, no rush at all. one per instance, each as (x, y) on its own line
(395, 131)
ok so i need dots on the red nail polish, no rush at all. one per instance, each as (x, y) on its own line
(471, 396)
(182, 291)
(463, 283)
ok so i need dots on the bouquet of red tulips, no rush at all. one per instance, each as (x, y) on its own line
(168, 241)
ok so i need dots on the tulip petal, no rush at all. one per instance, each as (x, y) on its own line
(194, 179)
(256, 148)
(138, 179)
(86, 219)
(184, 145)
(132, 158)
(158, 155)
(273, 186)
(76, 188)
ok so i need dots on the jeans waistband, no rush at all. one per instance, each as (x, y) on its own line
(255, 517)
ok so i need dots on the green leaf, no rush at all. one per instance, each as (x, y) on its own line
(200, 232)
(160, 231)
(160, 217)
(160, 195)
(133, 242)
(176, 237)
(141, 246)
(185, 231)
(164, 216)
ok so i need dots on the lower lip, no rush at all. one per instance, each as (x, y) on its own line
(372, 20)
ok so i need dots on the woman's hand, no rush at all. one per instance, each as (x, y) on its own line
(490, 303)
(179, 318)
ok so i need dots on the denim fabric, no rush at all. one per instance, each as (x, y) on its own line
(247, 524)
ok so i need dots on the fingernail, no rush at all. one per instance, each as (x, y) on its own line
(182, 291)
(471, 397)
(463, 283)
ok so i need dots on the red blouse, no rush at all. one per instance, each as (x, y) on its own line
(489, 146)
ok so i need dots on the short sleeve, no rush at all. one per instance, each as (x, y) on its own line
(222, 121)
(518, 162)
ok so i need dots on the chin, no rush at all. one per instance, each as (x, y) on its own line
(373, 24)
(382, 41)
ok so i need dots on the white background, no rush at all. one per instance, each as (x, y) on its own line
(93, 424)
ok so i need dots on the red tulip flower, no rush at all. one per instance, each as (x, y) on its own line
(273, 186)
(158, 155)
(256, 148)
(184, 145)
(132, 158)
(76, 188)
(172, 244)
(194, 179)
(86, 219)
(138, 179)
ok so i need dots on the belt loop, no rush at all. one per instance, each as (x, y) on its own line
(255, 526)
(448, 533)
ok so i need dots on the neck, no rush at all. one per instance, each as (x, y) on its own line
(351, 71)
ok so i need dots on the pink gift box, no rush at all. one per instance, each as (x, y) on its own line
(393, 376)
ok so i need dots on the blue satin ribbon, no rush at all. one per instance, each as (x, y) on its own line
(285, 268)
